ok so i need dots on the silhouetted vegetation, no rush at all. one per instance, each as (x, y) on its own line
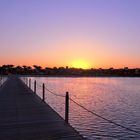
(61, 71)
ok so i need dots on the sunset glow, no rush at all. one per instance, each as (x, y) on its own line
(74, 33)
(80, 64)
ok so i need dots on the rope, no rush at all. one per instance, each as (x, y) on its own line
(94, 113)
(110, 121)
(3, 80)
(50, 91)
(38, 85)
(54, 93)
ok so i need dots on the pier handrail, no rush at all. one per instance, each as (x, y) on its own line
(50, 91)
(108, 120)
(89, 111)
(2, 80)
(54, 93)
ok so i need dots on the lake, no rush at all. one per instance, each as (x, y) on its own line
(116, 99)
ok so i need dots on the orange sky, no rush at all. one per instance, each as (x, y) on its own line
(71, 33)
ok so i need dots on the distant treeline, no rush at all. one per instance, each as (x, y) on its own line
(66, 71)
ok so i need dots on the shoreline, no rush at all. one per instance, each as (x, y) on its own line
(71, 76)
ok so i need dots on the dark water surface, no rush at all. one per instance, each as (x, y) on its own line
(117, 99)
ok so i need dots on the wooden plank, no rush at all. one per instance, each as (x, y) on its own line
(23, 116)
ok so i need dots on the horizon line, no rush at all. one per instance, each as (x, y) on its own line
(69, 67)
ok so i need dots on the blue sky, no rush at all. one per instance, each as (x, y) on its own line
(103, 33)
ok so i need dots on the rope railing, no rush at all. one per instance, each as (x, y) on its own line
(67, 98)
(54, 93)
(2, 80)
(41, 86)
(108, 120)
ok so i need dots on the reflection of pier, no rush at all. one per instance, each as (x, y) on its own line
(24, 116)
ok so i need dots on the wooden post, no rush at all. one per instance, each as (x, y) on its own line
(43, 96)
(27, 82)
(1, 81)
(35, 86)
(67, 108)
(30, 83)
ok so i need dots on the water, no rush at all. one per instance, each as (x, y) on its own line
(117, 99)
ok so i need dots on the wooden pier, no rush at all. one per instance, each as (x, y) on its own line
(24, 116)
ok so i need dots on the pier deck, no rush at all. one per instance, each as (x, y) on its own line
(23, 116)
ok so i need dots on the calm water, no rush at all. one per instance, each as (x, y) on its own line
(117, 99)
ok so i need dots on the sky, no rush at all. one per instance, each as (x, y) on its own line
(74, 33)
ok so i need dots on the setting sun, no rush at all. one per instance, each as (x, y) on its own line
(80, 64)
